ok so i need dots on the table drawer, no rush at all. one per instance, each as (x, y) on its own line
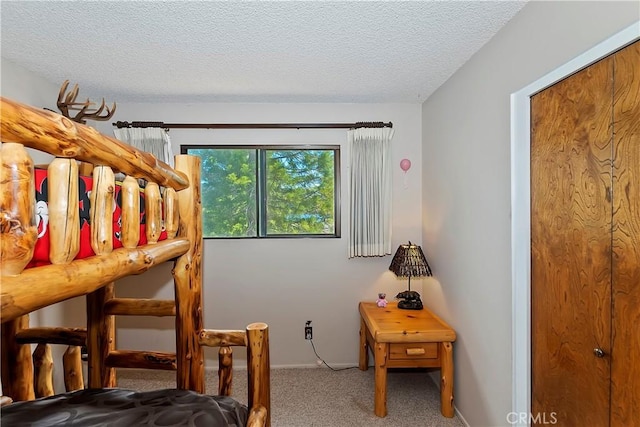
(426, 350)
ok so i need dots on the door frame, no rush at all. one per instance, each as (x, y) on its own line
(521, 217)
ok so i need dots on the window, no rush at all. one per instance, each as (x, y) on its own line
(269, 191)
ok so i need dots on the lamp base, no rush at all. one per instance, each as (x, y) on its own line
(409, 300)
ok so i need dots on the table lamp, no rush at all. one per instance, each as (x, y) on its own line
(409, 261)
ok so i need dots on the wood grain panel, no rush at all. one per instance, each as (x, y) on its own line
(625, 369)
(570, 247)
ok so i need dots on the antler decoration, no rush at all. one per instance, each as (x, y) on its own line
(68, 102)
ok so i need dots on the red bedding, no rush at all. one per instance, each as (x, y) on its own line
(41, 252)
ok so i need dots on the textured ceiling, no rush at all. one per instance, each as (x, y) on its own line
(311, 51)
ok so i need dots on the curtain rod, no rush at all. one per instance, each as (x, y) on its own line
(120, 124)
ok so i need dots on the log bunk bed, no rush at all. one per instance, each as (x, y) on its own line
(24, 288)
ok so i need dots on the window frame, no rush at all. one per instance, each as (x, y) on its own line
(261, 180)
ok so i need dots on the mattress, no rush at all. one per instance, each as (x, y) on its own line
(121, 407)
(85, 183)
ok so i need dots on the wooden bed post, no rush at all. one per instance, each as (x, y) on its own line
(64, 214)
(17, 365)
(187, 274)
(18, 236)
(130, 228)
(171, 213)
(153, 212)
(17, 204)
(100, 326)
(72, 365)
(258, 367)
(225, 370)
(43, 370)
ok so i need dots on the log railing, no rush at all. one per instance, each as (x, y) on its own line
(24, 291)
(57, 135)
(44, 337)
(73, 338)
(27, 290)
(256, 339)
(24, 126)
(42, 382)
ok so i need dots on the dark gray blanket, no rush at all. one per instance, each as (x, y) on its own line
(120, 407)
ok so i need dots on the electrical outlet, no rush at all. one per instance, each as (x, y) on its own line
(308, 330)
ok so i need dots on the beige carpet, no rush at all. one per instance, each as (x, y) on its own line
(320, 397)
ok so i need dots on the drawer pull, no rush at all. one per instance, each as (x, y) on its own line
(415, 351)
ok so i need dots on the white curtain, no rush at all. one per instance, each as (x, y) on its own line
(370, 198)
(152, 140)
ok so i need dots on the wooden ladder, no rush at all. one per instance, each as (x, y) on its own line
(103, 356)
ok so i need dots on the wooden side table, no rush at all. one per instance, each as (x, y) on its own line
(406, 339)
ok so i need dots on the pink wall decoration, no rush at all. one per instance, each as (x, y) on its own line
(405, 165)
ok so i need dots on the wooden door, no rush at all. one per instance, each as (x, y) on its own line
(585, 245)
(571, 220)
(625, 356)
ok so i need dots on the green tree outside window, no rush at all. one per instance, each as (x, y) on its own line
(251, 191)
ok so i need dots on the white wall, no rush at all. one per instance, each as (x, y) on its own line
(24, 86)
(466, 188)
(285, 282)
